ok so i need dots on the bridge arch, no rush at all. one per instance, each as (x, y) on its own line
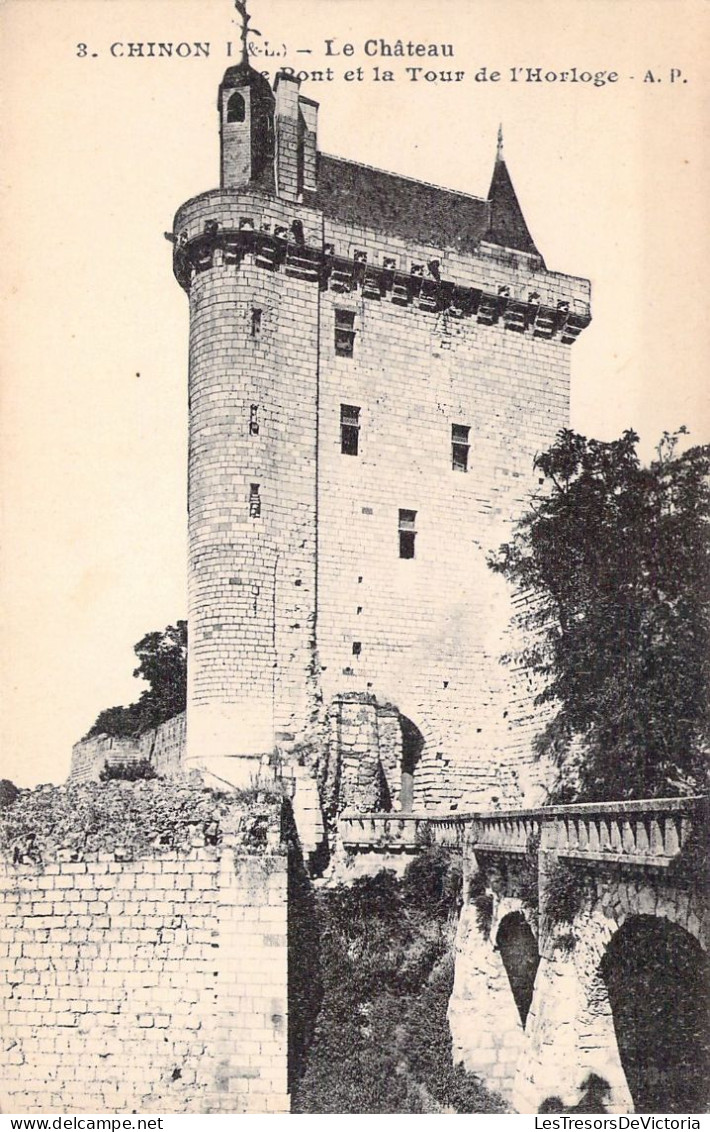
(519, 954)
(657, 977)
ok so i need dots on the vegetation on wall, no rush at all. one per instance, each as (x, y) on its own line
(128, 772)
(566, 887)
(163, 665)
(481, 899)
(8, 793)
(131, 819)
(616, 558)
(382, 1041)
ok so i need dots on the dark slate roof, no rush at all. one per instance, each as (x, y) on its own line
(358, 194)
(507, 223)
(414, 210)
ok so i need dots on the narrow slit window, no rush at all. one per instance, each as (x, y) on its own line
(254, 420)
(254, 501)
(344, 333)
(459, 447)
(256, 322)
(407, 533)
(349, 429)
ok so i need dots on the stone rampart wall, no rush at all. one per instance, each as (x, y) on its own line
(163, 747)
(146, 985)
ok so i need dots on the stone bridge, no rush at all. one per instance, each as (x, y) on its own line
(582, 970)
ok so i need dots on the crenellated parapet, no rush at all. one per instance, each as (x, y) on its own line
(492, 288)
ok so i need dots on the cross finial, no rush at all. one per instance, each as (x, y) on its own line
(241, 6)
(499, 149)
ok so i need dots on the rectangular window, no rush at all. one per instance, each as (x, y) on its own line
(254, 501)
(407, 533)
(254, 420)
(344, 333)
(256, 323)
(459, 447)
(349, 429)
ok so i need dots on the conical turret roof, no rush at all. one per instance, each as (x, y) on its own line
(507, 225)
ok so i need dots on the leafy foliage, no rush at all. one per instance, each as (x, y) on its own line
(616, 558)
(163, 664)
(565, 891)
(382, 1041)
(8, 793)
(483, 903)
(128, 772)
(137, 818)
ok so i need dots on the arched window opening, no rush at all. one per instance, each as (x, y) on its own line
(658, 981)
(236, 108)
(412, 745)
(518, 950)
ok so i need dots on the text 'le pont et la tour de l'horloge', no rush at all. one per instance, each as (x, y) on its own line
(389, 54)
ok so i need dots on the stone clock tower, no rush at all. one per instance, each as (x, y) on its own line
(374, 362)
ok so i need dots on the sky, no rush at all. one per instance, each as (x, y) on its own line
(101, 149)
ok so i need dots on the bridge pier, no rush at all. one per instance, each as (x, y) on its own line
(571, 1046)
(486, 1030)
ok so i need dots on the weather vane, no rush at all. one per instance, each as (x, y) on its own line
(241, 6)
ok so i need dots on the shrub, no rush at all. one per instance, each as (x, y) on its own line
(433, 882)
(128, 772)
(484, 912)
(382, 1041)
(8, 793)
(565, 890)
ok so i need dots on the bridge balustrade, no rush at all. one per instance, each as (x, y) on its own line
(647, 832)
(398, 832)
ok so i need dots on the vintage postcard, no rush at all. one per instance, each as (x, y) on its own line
(305, 306)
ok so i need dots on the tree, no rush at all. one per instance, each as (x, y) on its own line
(616, 560)
(163, 664)
(8, 793)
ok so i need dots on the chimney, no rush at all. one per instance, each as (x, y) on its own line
(289, 153)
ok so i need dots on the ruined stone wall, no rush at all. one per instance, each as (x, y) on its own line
(90, 756)
(163, 747)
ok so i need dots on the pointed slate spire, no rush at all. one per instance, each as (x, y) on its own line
(507, 225)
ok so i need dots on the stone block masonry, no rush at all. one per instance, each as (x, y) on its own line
(163, 747)
(158, 984)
